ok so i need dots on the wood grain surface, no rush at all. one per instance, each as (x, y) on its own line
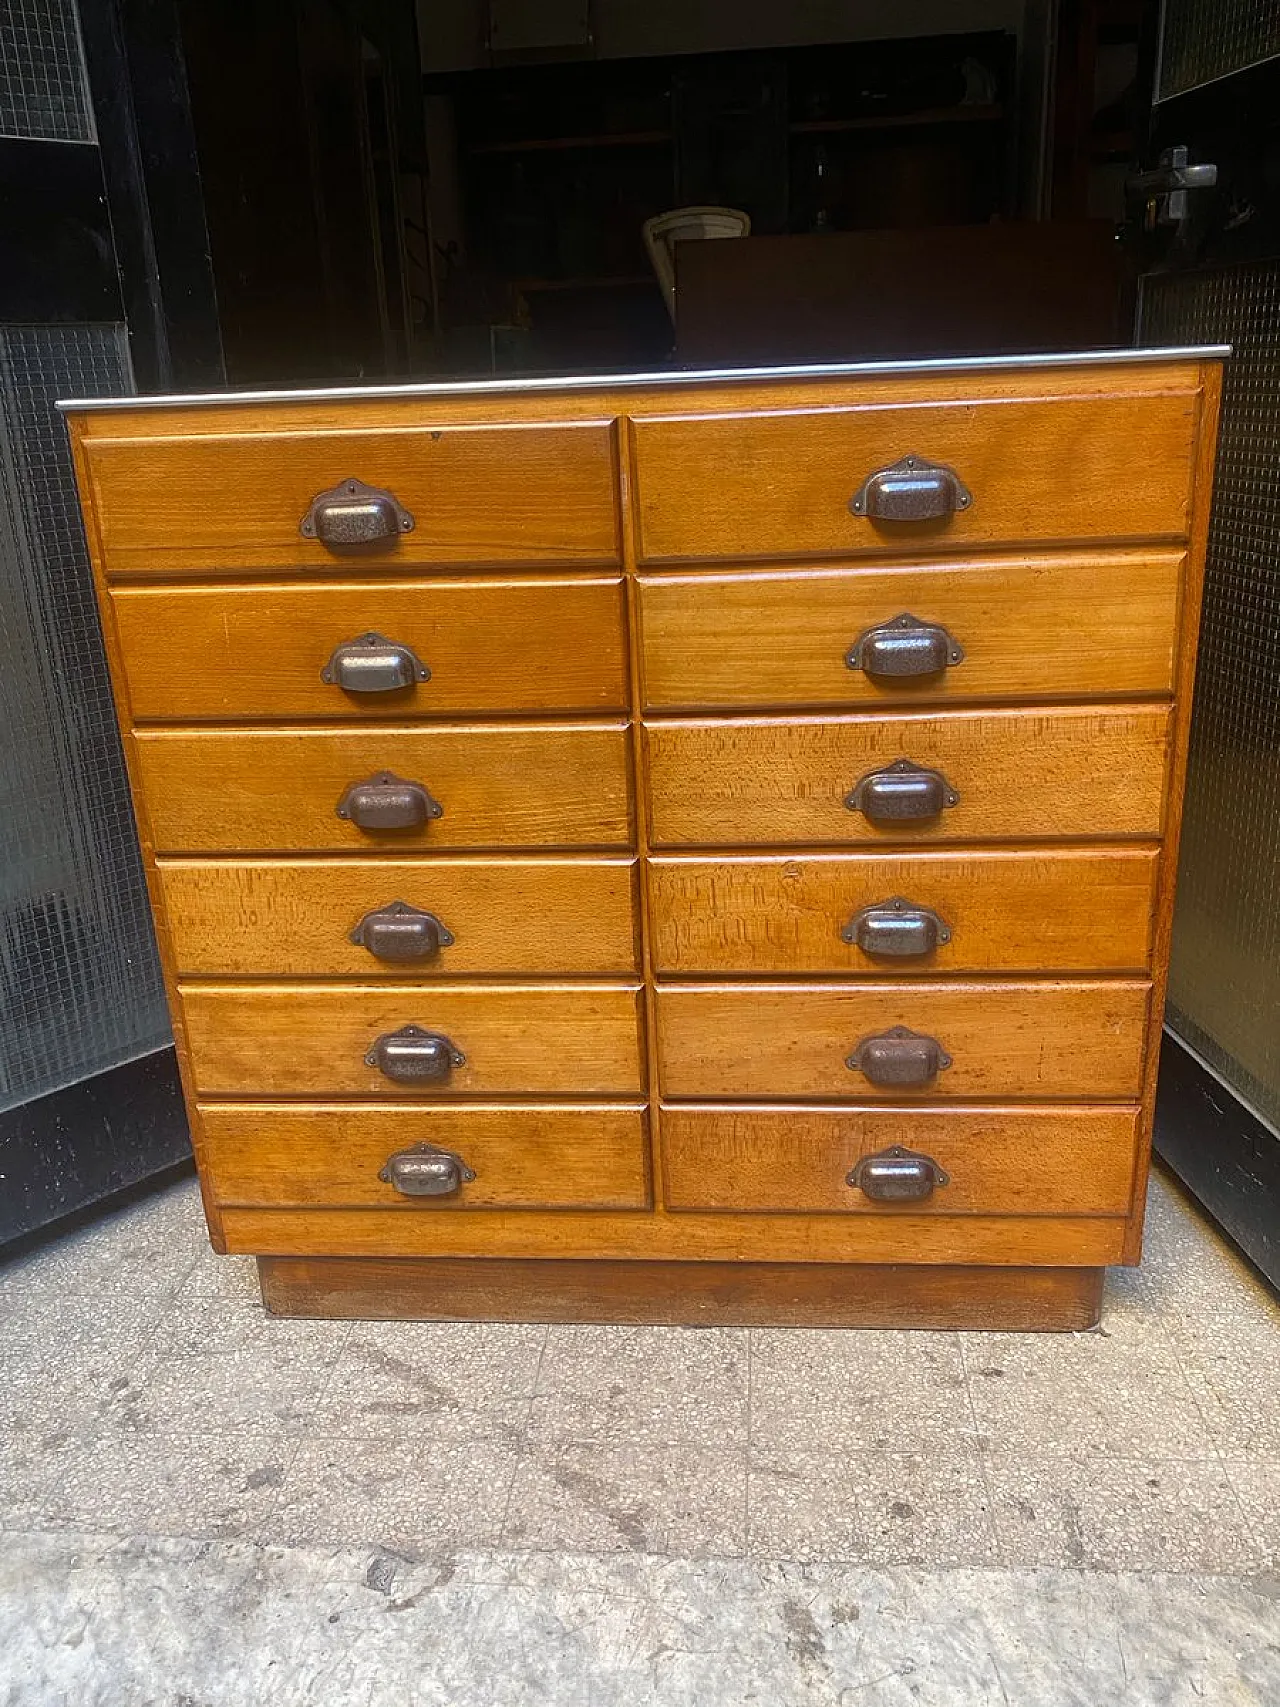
(501, 786)
(255, 653)
(523, 1156)
(999, 1161)
(1075, 771)
(1051, 910)
(765, 483)
(311, 1040)
(710, 1294)
(293, 919)
(1038, 628)
(231, 503)
(1010, 1040)
(1073, 1241)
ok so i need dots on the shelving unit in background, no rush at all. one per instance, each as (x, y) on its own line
(559, 165)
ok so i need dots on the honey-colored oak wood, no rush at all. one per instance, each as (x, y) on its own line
(1063, 582)
(1037, 628)
(271, 1040)
(552, 1156)
(230, 502)
(255, 653)
(1073, 771)
(777, 483)
(1055, 910)
(767, 1294)
(1049, 1040)
(521, 785)
(294, 918)
(1053, 1241)
(1188, 640)
(999, 1161)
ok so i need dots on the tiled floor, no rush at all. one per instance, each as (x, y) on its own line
(146, 1393)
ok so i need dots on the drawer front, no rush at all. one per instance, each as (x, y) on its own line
(1059, 1161)
(780, 484)
(1003, 1040)
(282, 1040)
(1047, 628)
(916, 914)
(331, 1156)
(217, 503)
(1077, 771)
(345, 919)
(257, 653)
(525, 785)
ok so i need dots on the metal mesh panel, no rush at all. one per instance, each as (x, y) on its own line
(42, 79)
(79, 981)
(1224, 990)
(1201, 40)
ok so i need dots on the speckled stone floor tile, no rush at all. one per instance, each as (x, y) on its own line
(1256, 1484)
(414, 1496)
(201, 1485)
(827, 1391)
(894, 1507)
(394, 1378)
(226, 1366)
(1119, 1390)
(1116, 1514)
(1233, 1367)
(599, 1497)
(643, 1384)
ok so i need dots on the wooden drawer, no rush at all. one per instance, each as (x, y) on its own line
(256, 653)
(500, 785)
(276, 918)
(535, 1156)
(1029, 628)
(1073, 910)
(293, 1040)
(779, 483)
(1005, 1040)
(1020, 775)
(224, 503)
(1000, 1161)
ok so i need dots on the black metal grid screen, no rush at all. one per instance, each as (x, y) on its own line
(80, 985)
(42, 80)
(1224, 989)
(1201, 40)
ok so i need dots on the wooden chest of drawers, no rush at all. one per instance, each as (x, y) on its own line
(685, 848)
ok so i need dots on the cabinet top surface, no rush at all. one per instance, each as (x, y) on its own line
(677, 378)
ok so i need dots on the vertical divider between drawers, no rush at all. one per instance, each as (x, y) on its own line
(640, 785)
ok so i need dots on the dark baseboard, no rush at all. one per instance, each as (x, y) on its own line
(1221, 1152)
(63, 1152)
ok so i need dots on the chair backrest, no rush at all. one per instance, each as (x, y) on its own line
(679, 225)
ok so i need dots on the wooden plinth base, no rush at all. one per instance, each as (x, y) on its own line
(808, 1295)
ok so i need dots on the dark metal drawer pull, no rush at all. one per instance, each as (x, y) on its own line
(899, 1057)
(896, 929)
(426, 1172)
(400, 932)
(911, 490)
(413, 1056)
(901, 792)
(373, 664)
(904, 648)
(352, 513)
(385, 801)
(896, 1175)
